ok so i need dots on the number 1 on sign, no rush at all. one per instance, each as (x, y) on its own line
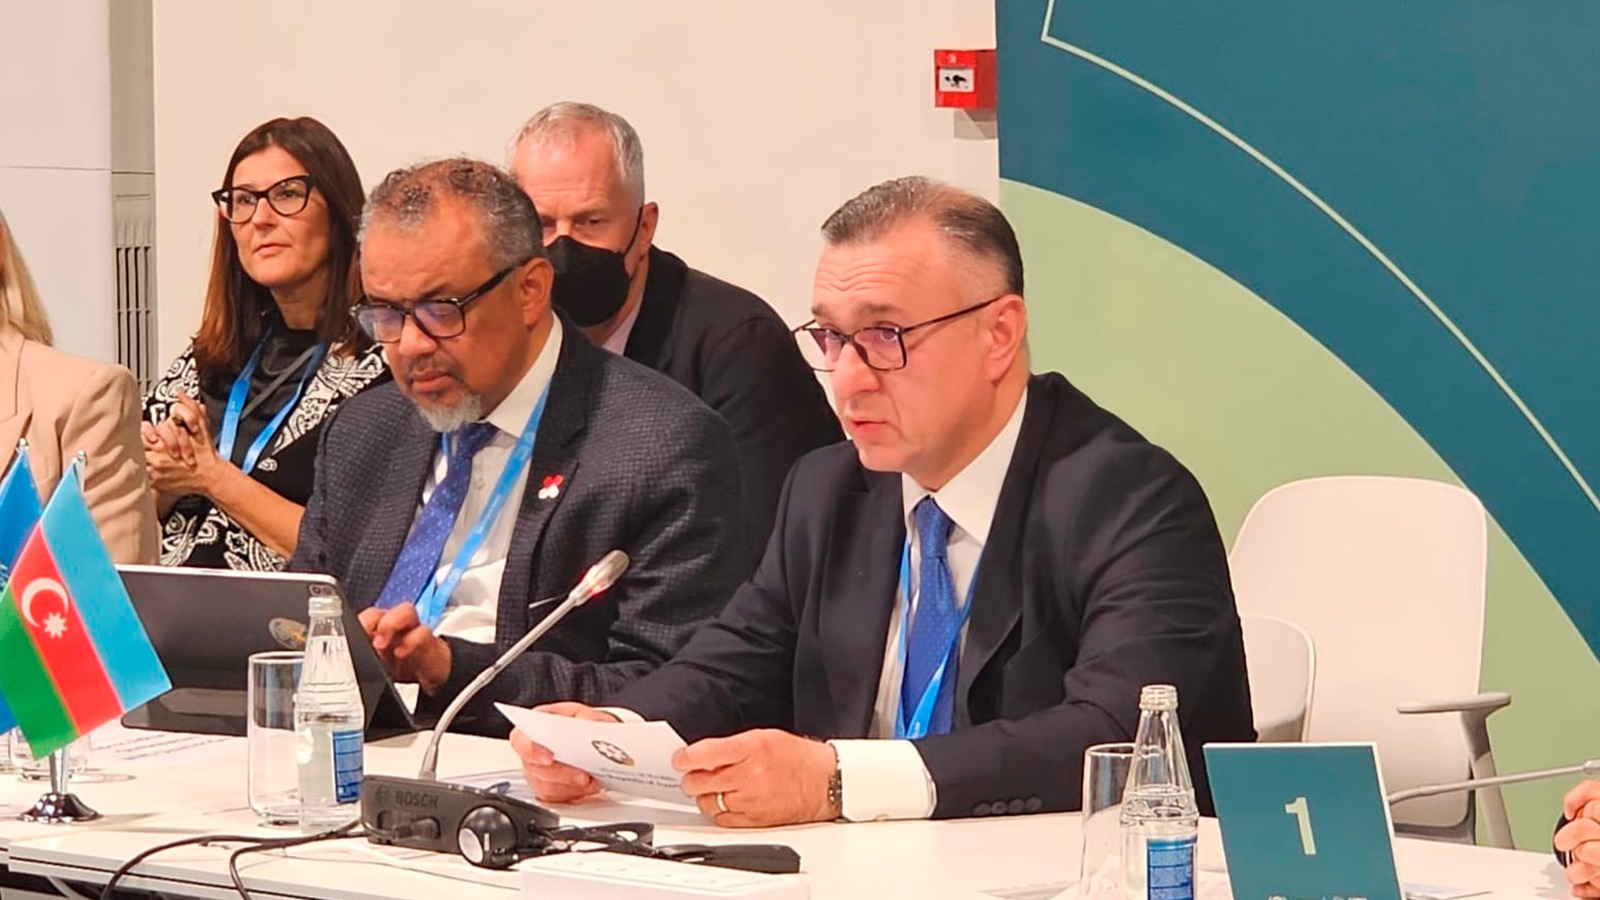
(1301, 810)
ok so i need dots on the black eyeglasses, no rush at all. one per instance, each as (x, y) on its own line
(881, 347)
(287, 198)
(443, 318)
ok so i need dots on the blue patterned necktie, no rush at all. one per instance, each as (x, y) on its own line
(936, 624)
(420, 557)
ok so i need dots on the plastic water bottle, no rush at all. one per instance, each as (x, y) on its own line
(328, 723)
(1159, 818)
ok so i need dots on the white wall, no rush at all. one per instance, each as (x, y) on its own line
(757, 118)
(55, 161)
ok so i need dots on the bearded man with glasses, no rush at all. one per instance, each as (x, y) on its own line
(955, 606)
(509, 455)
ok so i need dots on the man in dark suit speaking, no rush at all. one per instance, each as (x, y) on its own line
(508, 456)
(968, 596)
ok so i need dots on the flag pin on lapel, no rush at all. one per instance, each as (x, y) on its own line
(551, 488)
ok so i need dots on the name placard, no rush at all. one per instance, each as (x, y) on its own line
(1303, 821)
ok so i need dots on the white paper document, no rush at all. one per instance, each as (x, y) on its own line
(1439, 892)
(615, 876)
(1213, 885)
(626, 758)
(502, 781)
(1209, 885)
(114, 746)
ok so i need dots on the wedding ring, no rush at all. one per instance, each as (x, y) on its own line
(722, 805)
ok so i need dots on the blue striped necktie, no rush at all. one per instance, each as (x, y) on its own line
(419, 559)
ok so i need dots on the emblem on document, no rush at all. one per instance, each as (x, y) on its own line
(613, 752)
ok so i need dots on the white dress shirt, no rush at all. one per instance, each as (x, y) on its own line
(884, 778)
(471, 610)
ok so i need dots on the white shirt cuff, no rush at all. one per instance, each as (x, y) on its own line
(625, 716)
(883, 780)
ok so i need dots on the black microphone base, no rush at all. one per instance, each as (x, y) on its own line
(426, 815)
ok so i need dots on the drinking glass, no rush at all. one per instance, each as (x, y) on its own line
(1105, 775)
(274, 776)
(39, 769)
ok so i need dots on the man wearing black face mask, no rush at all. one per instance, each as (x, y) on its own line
(595, 282)
(584, 169)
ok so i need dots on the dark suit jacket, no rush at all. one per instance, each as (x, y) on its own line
(1103, 572)
(728, 346)
(645, 469)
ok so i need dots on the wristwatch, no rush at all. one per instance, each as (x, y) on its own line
(835, 781)
(836, 787)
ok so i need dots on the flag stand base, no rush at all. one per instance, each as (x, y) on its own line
(60, 806)
(60, 809)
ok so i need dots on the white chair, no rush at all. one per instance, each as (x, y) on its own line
(1283, 667)
(1387, 575)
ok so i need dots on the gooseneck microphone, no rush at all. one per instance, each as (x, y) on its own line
(1591, 768)
(600, 577)
(424, 814)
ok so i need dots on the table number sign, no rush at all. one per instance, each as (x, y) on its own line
(1303, 821)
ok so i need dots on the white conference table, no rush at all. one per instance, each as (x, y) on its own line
(153, 804)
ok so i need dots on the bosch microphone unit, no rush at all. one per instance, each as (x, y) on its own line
(449, 818)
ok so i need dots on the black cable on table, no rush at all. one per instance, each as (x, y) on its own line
(262, 846)
(256, 844)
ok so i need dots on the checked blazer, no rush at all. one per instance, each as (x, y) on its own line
(644, 466)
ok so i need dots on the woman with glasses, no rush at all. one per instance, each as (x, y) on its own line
(62, 405)
(231, 430)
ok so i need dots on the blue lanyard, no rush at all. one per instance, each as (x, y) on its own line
(235, 409)
(430, 606)
(921, 719)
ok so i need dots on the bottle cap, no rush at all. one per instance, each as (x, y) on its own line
(326, 606)
(1158, 697)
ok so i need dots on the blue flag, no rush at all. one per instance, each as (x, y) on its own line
(19, 513)
(20, 510)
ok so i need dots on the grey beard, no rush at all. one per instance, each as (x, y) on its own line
(451, 418)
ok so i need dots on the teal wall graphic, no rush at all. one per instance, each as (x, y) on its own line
(1296, 239)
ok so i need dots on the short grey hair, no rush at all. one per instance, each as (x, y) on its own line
(568, 120)
(406, 197)
(969, 221)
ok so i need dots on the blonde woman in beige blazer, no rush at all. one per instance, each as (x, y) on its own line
(62, 404)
